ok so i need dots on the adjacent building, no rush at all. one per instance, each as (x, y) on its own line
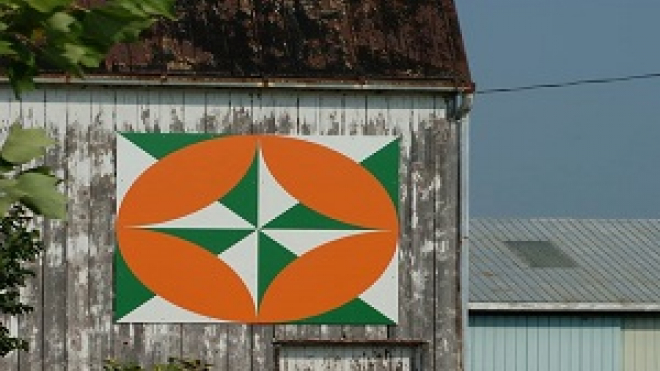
(564, 295)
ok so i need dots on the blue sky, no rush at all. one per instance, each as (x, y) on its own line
(585, 152)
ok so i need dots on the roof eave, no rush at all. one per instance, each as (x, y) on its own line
(563, 307)
(409, 85)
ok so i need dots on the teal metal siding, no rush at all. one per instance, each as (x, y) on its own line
(545, 343)
(641, 344)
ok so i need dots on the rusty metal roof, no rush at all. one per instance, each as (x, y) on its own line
(408, 41)
(613, 264)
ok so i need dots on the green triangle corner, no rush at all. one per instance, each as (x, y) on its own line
(243, 199)
(355, 312)
(384, 165)
(273, 258)
(160, 145)
(130, 293)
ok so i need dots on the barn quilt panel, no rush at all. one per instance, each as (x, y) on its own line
(256, 229)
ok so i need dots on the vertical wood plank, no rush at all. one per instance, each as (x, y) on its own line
(355, 114)
(285, 106)
(30, 324)
(78, 168)
(162, 111)
(401, 112)
(378, 122)
(10, 111)
(219, 114)
(153, 343)
(307, 114)
(276, 113)
(355, 106)
(332, 116)
(422, 225)
(308, 120)
(264, 113)
(361, 357)
(172, 112)
(196, 342)
(239, 337)
(448, 310)
(289, 119)
(217, 119)
(55, 256)
(128, 339)
(101, 237)
(241, 120)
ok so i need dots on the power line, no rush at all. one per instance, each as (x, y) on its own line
(606, 80)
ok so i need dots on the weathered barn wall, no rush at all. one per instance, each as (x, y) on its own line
(71, 327)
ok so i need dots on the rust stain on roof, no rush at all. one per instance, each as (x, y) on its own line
(317, 39)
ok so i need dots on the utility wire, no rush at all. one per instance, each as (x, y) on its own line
(606, 80)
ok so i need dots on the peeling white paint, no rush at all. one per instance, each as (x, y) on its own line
(77, 314)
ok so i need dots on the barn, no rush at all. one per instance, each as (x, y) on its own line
(564, 295)
(284, 75)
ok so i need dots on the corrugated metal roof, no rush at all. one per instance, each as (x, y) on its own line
(403, 40)
(617, 265)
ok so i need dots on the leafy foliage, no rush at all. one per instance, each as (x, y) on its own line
(173, 364)
(33, 187)
(61, 34)
(19, 244)
(22, 187)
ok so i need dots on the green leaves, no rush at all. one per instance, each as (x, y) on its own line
(24, 145)
(35, 188)
(6, 48)
(47, 6)
(19, 245)
(40, 194)
(60, 34)
(61, 22)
